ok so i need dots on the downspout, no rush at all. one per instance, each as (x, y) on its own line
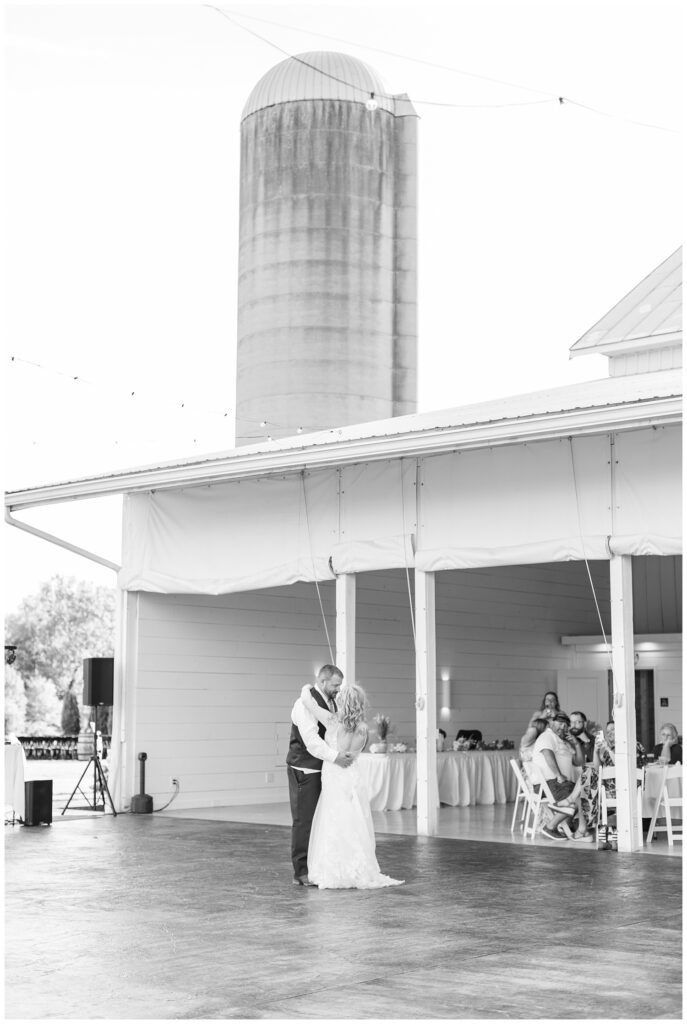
(52, 539)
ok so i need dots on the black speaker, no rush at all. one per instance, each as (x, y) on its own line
(38, 802)
(98, 682)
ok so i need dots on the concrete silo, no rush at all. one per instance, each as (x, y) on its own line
(327, 304)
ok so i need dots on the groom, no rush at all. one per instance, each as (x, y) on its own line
(307, 751)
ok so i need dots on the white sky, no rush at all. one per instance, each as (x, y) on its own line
(122, 129)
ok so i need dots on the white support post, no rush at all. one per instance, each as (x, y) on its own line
(123, 772)
(623, 656)
(426, 704)
(345, 625)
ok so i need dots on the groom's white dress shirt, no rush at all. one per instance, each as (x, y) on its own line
(306, 723)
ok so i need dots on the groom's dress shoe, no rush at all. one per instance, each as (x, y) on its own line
(302, 880)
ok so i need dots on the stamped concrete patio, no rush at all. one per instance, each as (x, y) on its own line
(159, 917)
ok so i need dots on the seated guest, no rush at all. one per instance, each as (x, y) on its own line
(668, 751)
(587, 788)
(604, 753)
(535, 727)
(604, 756)
(578, 731)
(549, 706)
(553, 758)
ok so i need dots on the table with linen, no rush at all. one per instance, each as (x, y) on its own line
(464, 778)
(14, 778)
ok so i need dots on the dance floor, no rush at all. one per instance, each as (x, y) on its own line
(165, 917)
(489, 824)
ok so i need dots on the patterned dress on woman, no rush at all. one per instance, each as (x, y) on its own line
(589, 780)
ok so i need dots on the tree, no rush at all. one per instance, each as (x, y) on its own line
(71, 718)
(42, 707)
(15, 701)
(54, 630)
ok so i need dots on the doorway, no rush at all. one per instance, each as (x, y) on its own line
(644, 705)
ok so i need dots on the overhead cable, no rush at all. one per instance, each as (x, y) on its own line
(552, 98)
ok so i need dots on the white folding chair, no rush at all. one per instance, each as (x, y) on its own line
(606, 801)
(523, 795)
(664, 804)
(535, 799)
(547, 799)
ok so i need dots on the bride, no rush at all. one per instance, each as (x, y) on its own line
(341, 854)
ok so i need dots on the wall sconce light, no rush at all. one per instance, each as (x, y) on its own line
(10, 653)
(445, 711)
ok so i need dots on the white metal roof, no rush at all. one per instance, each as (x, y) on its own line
(649, 316)
(614, 403)
(321, 76)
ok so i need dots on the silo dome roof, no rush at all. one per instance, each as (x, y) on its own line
(318, 76)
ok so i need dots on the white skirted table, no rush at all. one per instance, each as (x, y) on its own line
(476, 777)
(14, 778)
(464, 778)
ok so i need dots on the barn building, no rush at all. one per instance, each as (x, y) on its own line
(458, 563)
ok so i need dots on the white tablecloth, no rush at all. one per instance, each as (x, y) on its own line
(391, 780)
(652, 785)
(477, 777)
(14, 778)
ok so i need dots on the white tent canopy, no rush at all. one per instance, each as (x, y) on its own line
(538, 502)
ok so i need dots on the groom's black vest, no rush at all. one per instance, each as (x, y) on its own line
(299, 756)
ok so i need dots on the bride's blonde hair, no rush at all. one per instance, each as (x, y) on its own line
(352, 705)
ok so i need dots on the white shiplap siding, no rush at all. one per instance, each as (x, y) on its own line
(217, 676)
(498, 637)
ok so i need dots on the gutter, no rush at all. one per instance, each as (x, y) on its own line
(643, 413)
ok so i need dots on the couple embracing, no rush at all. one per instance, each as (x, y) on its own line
(332, 838)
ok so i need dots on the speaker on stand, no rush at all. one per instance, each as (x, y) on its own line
(98, 682)
(98, 691)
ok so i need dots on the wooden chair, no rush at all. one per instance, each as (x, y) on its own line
(664, 804)
(606, 801)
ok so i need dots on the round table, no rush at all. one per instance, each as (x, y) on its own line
(464, 778)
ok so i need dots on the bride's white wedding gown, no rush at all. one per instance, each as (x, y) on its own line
(341, 854)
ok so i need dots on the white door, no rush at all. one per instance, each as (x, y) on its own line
(584, 690)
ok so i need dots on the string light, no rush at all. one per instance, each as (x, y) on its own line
(160, 403)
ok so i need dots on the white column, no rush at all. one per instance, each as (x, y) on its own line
(623, 655)
(123, 782)
(426, 703)
(345, 625)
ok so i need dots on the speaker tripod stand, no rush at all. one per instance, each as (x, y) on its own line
(99, 784)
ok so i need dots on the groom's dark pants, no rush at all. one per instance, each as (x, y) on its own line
(304, 792)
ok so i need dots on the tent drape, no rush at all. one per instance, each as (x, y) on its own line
(542, 502)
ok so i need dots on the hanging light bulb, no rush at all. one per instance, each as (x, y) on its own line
(371, 104)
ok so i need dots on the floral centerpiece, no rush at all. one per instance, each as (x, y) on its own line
(383, 724)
